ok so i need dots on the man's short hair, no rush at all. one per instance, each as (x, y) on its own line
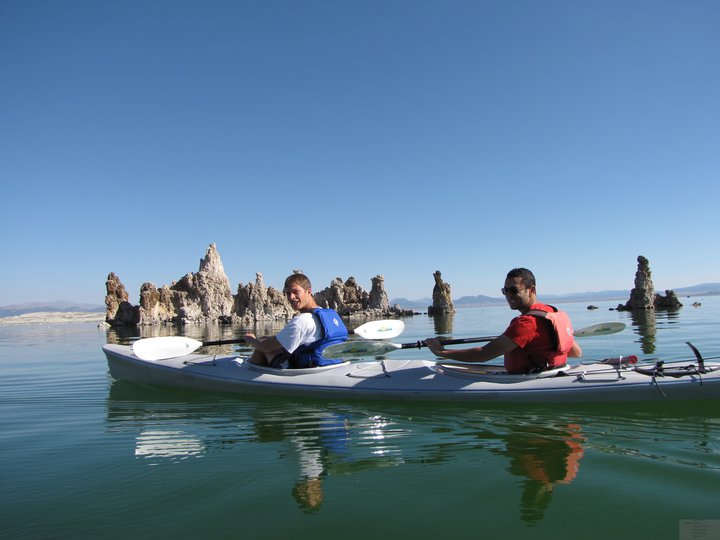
(528, 278)
(297, 279)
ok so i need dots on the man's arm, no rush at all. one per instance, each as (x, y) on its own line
(268, 345)
(495, 348)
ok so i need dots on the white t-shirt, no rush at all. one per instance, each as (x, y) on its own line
(303, 329)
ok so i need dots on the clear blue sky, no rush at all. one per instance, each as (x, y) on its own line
(358, 138)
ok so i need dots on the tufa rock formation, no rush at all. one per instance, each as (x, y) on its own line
(442, 299)
(378, 297)
(344, 298)
(206, 297)
(118, 309)
(256, 302)
(643, 296)
(669, 301)
(201, 297)
(349, 299)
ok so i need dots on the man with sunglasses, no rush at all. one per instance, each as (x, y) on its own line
(540, 338)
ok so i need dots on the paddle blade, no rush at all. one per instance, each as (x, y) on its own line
(601, 329)
(160, 348)
(358, 348)
(387, 329)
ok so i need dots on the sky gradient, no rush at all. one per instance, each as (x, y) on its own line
(352, 138)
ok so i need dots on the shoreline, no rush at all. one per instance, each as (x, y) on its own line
(54, 317)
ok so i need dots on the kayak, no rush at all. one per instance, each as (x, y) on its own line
(412, 380)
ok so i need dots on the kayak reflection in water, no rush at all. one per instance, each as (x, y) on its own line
(545, 457)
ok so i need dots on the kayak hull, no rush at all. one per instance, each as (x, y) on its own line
(413, 380)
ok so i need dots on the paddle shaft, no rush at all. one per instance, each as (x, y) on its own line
(241, 340)
(223, 341)
(596, 329)
(458, 341)
(415, 345)
(377, 348)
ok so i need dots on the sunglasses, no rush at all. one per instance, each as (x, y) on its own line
(511, 290)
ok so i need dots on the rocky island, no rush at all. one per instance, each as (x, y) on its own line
(442, 297)
(206, 297)
(643, 295)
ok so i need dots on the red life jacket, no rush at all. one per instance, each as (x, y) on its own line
(530, 359)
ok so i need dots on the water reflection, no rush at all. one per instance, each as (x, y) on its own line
(542, 454)
(292, 451)
(174, 426)
(443, 323)
(167, 443)
(321, 441)
(646, 322)
(543, 457)
(324, 443)
(643, 320)
(315, 440)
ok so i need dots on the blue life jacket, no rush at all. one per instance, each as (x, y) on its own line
(334, 331)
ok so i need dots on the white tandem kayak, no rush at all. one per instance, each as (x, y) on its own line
(425, 379)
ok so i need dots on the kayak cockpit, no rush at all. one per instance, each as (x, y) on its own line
(495, 373)
(287, 372)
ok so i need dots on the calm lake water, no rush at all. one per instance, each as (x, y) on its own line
(84, 456)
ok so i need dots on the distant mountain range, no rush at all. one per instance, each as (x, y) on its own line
(60, 306)
(620, 295)
(423, 303)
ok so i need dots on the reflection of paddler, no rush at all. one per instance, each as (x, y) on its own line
(552, 461)
(314, 437)
(308, 493)
(544, 459)
(313, 460)
(308, 490)
(321, 442)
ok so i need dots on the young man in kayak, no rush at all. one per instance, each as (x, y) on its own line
(301, 342)
(540, 338)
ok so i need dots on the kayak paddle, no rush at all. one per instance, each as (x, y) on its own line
(378, 348)
(161, 348)
(600, 329)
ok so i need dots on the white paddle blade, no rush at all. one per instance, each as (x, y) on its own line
(358, 348)
(387, 329)
(601, 329)
(160, 348)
